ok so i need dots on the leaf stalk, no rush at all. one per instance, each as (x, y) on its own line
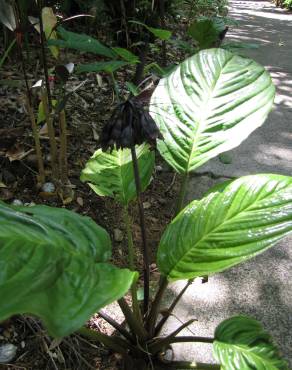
(182, 193)
(152, 318)
(171, 308)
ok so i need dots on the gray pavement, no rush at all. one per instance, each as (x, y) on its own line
(262, 287)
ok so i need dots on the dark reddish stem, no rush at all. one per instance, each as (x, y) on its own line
(146, 270)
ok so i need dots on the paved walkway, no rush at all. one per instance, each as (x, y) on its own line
(262, 287)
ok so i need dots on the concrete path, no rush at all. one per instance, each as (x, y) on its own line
(262, 287)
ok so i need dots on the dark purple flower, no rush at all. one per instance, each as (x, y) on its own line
(129, 125)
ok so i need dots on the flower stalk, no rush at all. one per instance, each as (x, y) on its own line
(131, 262)
(145, 248)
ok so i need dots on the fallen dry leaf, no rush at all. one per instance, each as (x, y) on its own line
(17, 152)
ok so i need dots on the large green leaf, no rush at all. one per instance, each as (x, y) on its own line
(108, 67)
(81, 42)
(206, 31)
(231, 224)
(53, 264)
(127, 55)
(208, 105)
(111, 174)
(7, 17)
(160, 33)
(241, 343)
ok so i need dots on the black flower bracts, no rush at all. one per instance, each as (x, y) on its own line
(129, 125)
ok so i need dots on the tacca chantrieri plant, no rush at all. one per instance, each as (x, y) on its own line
(55, 263)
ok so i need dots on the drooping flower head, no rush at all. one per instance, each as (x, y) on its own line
(129, 125)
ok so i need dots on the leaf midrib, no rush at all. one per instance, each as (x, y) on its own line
(248, 351)
(216, 227)
(200, 125)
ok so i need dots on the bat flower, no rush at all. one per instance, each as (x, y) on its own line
(129, 125)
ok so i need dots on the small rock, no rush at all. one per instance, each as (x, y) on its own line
(48, 187)
(5, 194)
(22, 344)
(118, 235)
(162, 201)
(6, 334)
(153, 219)
(7, 352)
(80, 201)
(146, 205)
(17, 202)
(163, 168)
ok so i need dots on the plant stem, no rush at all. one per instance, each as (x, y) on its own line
(161, 5)
(51, 131)
(192, 339)
(134, 325)
(140, 66)
(135, 303)
(47, 98)
(130, 239)
(159, 344)
(182, 193)
(152, 318)
(6, 53)
(125, 21)
(116, 325)
(116, 344)
(171, 308)
(116, 88)
(146, 269)
(63, 165)
(187, 365)
(35, 132)
(38, 149)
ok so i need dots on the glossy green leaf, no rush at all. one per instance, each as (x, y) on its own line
(160, 33)
(7, 17)
(81, 42)
(41, 112)
(111, 174)
(53, 264)
(126, 55)
(206, 31)
(236, 46)
(241, 343)
(234, 222)
(108, 67)
(208, 105)
(133, 89)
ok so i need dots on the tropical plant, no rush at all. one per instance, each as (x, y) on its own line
(210, 8)
(115, 57)
(284, 3)
(288, 4)
(54, 263)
